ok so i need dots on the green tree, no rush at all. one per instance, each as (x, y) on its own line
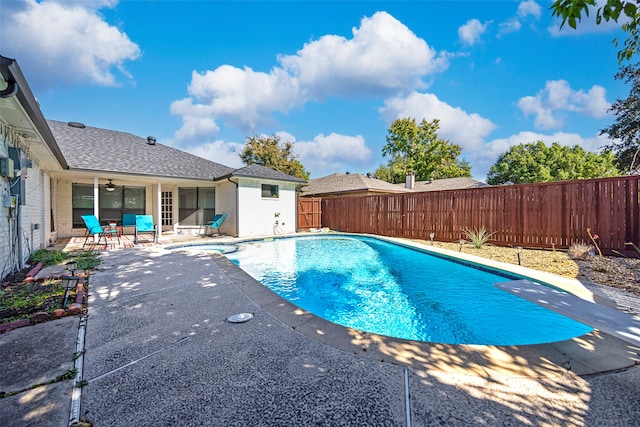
(269, 152)
(626, 127)
(571, 12)
(418, 148)
(394, 171)
(537, 162)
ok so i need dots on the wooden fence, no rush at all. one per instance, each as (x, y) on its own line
(529, 215)
(309, 213)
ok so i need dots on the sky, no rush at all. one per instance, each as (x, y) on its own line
(329, 76)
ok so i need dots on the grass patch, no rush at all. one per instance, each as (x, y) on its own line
(20, 300)
(47, 257)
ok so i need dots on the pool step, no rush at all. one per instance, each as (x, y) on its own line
(605, 319)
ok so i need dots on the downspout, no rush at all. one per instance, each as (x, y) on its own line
(237, 215)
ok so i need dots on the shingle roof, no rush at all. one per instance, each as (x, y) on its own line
(446, 184)
(96, 149)
(349, 183)
(259, 171)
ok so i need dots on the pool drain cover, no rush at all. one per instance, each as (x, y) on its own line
(240, 318)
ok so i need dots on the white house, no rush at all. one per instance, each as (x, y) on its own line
(28, 156)
(74, 169)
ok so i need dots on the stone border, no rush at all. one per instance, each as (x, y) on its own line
(43, 316)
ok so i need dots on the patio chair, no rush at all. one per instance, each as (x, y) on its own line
(128, 221)
(93, 227)
(145, 225)
(215, 224)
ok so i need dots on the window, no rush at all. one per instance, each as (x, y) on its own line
(167, 208)
(270, 191)
(112, 203)
(81, 202)
(196, 205)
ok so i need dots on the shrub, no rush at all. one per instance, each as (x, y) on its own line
(87, 260)
(47, 257)
(478, 237)
(580, 250)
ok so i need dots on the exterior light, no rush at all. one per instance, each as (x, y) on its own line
(72, 266)
(518, 251)
(67, 283)
(110, 185)
(461, 243)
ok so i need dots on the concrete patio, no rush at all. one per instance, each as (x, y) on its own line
(159, 352)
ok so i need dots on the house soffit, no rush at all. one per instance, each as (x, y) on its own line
(129, 179)
(22, 121)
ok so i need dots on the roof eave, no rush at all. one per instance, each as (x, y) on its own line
(119, 173)
(239, 175)
(12, 73)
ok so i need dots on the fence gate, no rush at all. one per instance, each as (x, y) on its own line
(309, 213)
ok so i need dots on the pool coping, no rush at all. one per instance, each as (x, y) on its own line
(594, 353)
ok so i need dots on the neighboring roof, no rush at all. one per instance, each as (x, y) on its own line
(95, 149)
(259, 171)
(446, 184)
(339, 183)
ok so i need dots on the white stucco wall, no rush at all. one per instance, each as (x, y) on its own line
(256, 215)
(226, 203)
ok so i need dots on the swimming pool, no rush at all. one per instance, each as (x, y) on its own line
(379, 287)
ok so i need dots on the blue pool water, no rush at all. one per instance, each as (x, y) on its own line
(387, 289)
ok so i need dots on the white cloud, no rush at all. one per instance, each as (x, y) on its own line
(525, 10)
(383, 55)
(327, 154)
(471, 32)
(65, 43)
(194, 128)
(226, 153)
(529, 8)
(557, 97)
(468, 130)
(510, 26)
(465, 129)
(243, 98)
